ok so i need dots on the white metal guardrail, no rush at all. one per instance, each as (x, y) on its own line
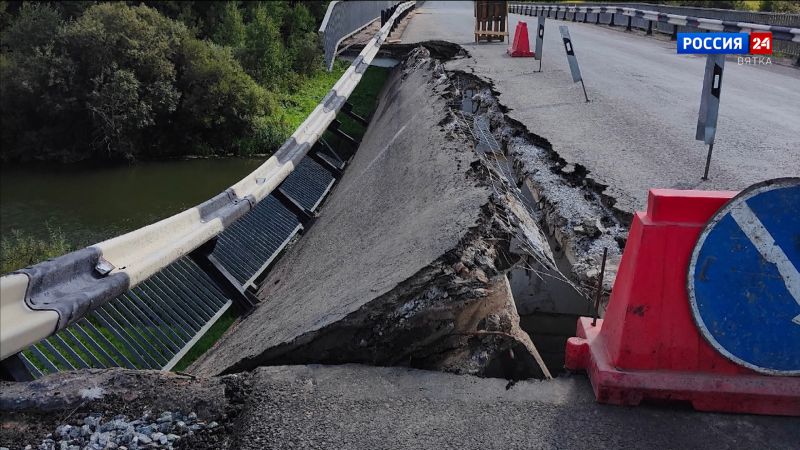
(40, 300)
(345, 18)
(779, 32)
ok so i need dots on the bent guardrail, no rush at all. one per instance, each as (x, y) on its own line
(343, 19)
(40, 300)
(650, 17)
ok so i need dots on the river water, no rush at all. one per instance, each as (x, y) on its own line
(92, 204)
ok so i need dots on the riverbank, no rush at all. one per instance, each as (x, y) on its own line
(88, 203)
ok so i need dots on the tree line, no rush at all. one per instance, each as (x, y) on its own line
(121, 81)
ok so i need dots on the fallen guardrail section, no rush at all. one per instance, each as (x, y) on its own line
(142, 299)
(646, 19)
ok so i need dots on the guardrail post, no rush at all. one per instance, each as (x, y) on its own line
(348, 109)
(305, 216)
(611, 24)
(649, 27)
(597, 18)
(13, 369)
(203, 256)
(575, 15)
(334, 128)
(585, 16)
(315, 154)
(326, 148)
(674, 36)
(628, 27)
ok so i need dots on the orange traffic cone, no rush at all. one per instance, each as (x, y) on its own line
(521, 46)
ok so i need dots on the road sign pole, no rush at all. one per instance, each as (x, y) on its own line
(573, 61)
(584, 91)
(709, 105)
(539, 40)
(599, 291)
(708, 160)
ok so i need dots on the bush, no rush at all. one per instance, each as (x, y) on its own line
(220, 101)
(783, 6)
(18, 250)
(115, 82)
(263, 55)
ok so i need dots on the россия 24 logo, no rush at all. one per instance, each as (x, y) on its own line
(758, 43)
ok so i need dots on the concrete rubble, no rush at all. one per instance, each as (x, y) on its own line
(570, 207)
(117, 409)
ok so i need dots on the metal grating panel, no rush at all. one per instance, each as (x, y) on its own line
(149, 327)
(308, 183)
(153, 325)
(334, 160)
(248, 246)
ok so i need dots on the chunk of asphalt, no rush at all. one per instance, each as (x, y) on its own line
(406, 263)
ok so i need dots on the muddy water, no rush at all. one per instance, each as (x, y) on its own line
(92, 204)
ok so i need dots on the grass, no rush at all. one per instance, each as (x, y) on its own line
(299, 104)
(204, 343)
(113, 346)
(19, 250)
(364, 99)
(749, 5)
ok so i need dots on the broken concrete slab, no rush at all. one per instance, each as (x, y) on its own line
(375, 279)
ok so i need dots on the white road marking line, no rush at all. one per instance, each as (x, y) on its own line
(765, 244)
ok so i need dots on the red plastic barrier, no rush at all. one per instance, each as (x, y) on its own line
(648, 347)
(521, 46)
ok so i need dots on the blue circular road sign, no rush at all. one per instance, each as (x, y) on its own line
(743, 281)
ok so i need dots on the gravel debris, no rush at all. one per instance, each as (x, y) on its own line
(97, 432)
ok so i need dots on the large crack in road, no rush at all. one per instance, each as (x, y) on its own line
(406, 264)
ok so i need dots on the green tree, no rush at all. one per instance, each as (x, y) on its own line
(220, 101)
(791, 7)
(231, 30)
(264, 56)
(35, 26)
(118, 81)
(304, 48)
(31, 84)
(124, 73)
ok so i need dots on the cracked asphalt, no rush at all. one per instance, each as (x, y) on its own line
(638, 131)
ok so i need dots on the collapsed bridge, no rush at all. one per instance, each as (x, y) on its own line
(398, 254)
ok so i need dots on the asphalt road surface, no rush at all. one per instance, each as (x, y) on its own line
(404, 201)
(638, 130)
(360, 407)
